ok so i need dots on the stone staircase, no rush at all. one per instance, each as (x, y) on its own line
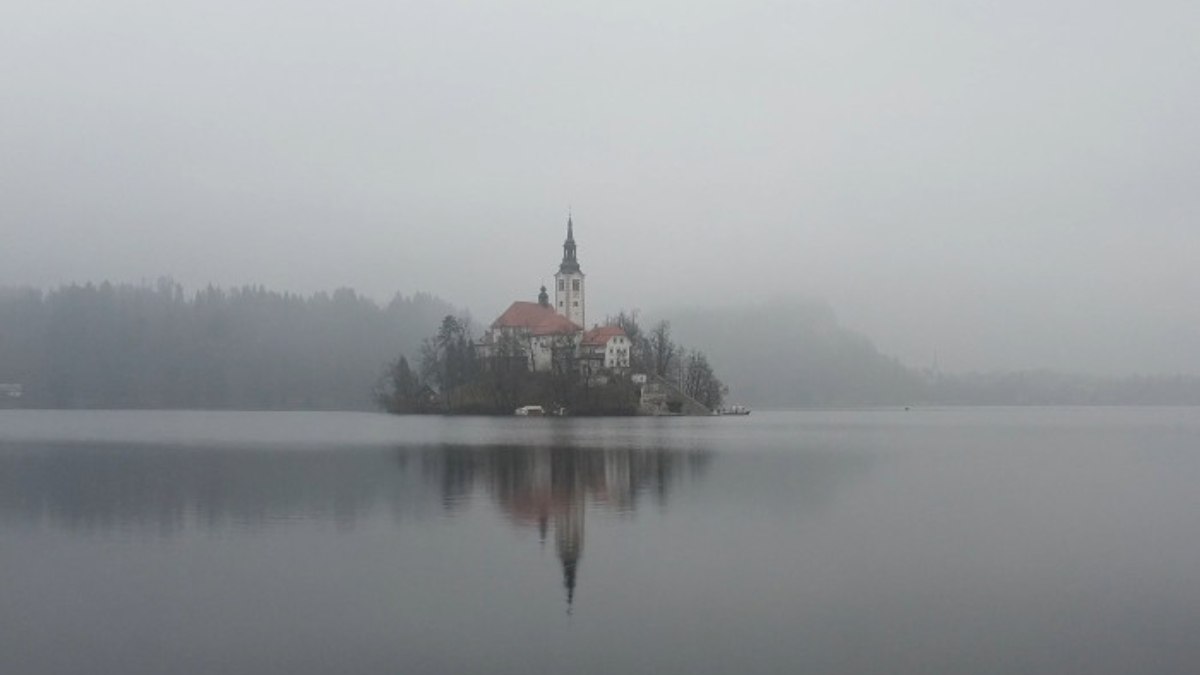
(662, 397)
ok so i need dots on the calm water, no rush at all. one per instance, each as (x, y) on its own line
(929, 541)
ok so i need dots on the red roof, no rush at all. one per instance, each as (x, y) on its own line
(537, 319)
(601, 335)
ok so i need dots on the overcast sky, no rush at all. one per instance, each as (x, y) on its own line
(1007, 184)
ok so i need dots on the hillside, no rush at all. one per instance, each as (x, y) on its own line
(792, 352)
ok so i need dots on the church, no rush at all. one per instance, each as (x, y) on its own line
(545, 337)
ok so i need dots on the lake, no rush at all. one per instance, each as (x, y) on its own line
(997, 540)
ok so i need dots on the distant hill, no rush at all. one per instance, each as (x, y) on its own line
(793, 352)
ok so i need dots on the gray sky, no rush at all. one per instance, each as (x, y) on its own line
(1009, 184)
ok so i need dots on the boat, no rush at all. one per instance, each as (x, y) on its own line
(733, 410)
(530, 411)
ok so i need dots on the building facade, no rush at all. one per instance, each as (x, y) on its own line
(534, 334)
(605, 347)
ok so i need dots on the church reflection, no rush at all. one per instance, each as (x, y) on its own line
(170, 491)
(553, 489)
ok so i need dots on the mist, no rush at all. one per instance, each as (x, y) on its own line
(992, 186)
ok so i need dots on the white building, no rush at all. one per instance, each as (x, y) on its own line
(605, 347)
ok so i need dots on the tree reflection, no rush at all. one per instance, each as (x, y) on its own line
(166, 491)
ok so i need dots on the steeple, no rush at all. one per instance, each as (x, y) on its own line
(568, 532)
(570, 565)
(568, 281)
(569, 262)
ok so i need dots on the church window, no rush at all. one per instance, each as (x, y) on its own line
(560, 303)
(562, 285)
(575, 284)
(575, 304)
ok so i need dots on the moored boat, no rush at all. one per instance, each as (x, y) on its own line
(733, 410)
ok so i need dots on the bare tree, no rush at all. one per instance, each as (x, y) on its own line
(700, 382)
(508, 363)
(639, 347)
(564, 368)
(662, 350)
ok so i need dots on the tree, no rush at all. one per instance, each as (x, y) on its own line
(564, 368)
(700, 382)
(448, 358)
(506, 369)
(662, 350)
(404, 392)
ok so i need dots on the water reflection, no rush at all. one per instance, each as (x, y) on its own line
(552, 489)
(948, 541)
(106, 487)
(165, 491)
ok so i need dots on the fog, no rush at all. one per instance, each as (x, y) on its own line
(1002, 185)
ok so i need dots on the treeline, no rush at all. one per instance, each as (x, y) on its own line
(156, 346)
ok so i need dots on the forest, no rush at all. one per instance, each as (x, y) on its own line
(155, 346)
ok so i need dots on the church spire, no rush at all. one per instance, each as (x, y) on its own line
(569, 262)
(568, 280)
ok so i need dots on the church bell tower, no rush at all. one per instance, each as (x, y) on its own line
(568, 282)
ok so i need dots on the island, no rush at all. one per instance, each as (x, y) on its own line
(538, 358)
